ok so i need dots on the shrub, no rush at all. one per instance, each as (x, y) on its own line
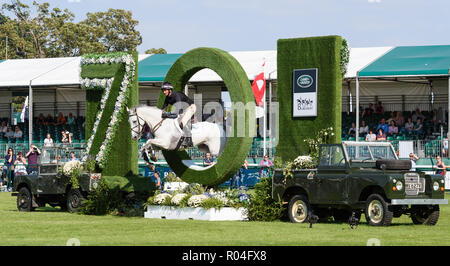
(102, 200)
(262, 207)
(113, 200)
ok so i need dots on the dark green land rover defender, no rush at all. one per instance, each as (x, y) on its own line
(356, 177)
(50, 186)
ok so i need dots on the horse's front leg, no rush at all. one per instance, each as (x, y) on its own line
(149, 147)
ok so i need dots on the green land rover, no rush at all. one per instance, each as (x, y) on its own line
(356, 177)
(49, 184)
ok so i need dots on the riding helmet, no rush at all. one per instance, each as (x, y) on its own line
(167, 86)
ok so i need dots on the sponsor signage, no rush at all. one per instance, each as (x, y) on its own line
(304, 93)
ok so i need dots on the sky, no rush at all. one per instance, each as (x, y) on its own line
(254, 25)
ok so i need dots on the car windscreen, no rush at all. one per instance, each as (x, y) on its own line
(382, 153)
(368, 152)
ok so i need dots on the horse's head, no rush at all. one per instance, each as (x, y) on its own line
(136, 124)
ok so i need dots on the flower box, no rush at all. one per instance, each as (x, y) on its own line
(170, 212)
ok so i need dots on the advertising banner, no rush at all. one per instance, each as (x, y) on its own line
(304, 92)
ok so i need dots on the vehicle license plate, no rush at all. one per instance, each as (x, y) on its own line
(414, 186)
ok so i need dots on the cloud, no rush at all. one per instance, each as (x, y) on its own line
(74, 1)
(374, 1)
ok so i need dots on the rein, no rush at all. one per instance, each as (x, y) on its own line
(139, 127)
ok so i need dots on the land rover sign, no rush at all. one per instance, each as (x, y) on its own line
(304, 93)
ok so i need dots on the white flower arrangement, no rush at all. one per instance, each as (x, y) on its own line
(176, 200)
(161, 198)
(303, 162)
(196, 200)
(69, 167)
(222, 196)
(130, 67)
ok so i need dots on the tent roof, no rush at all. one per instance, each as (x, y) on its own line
(42, 71)
(251, 62)
(155, 67)
(411, 61)
(47, 71)
(361, 57)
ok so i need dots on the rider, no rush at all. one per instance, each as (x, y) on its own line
(173, 97)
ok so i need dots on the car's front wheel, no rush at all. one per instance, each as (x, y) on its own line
(24, 200)
(74, 200)
(377, 211)
(299, 209)
(428, 215)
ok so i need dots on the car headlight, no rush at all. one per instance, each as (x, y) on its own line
(399, 185)
(435, 186)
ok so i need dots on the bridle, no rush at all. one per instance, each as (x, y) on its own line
(137, 129)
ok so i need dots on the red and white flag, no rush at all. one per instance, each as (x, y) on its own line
(259, 87)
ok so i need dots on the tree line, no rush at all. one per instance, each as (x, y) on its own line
(40, 31)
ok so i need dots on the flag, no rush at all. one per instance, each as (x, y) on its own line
(24, 108)
(259, 87)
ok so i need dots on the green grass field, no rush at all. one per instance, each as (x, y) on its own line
(50, 226)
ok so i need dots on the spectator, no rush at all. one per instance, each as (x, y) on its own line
(363, 129)
(399, 120)
(73, 157)
(70, 120)
(20, 165)
(40, 120)
(18, 134)
(158, 180)
(60, 120)
(391, 118)
(352, 130)
(371, 136)
(445, 146)
(207, 161)
(8, 168)
(265, 167)
(9, 135)
(49, 120)
(381, 135)
(3, 129)
(238, 179)
(440, 116)
(66, 137)
(368, 111)
(418, 128)
(147, 133)
(417, 115)
(48, 141)
(379, 108)
(393, 129)
(409, 126)
(441, 168)
(32, 157)
(413, 159)
(383, 125)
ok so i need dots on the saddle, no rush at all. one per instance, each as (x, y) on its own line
(184, 142)
(169, 115)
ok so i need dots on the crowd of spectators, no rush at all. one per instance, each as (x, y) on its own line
(389, 125)
(16, 165)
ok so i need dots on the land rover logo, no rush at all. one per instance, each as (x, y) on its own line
(304, 81)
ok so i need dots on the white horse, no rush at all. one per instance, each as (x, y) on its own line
(166, 132)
